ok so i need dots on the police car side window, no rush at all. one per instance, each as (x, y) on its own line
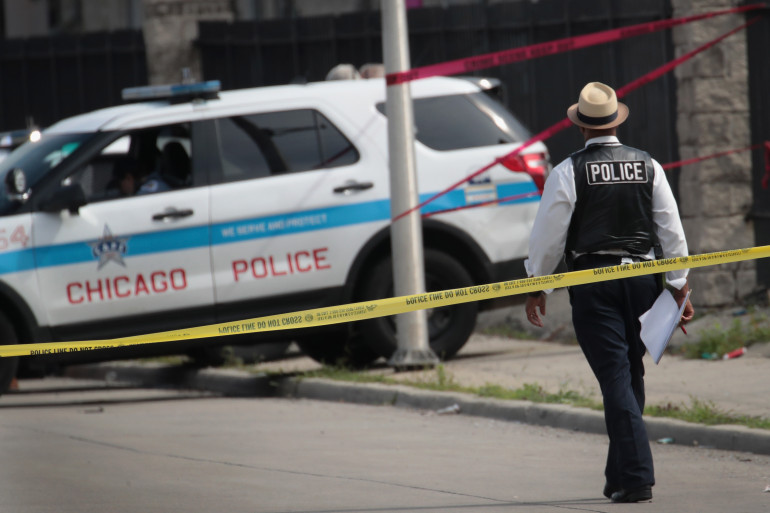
(462, 121)
(96, 176)
(140, 162)
(239, 142)
(336, 150)
(273, 143)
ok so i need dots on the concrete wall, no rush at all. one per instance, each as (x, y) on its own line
(713, 116)
(25, 18)
(170, 27)
(112, 15)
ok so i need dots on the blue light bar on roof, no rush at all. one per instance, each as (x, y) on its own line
(172, 91)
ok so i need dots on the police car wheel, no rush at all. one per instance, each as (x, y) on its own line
(449, 327)
(8, 366)
(339, 349)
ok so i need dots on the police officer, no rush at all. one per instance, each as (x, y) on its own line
(610, 204)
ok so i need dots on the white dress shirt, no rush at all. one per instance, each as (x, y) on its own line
(549, 233)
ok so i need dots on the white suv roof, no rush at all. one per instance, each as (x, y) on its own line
(137, 115)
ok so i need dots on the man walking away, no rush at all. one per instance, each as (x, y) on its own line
(610, 204)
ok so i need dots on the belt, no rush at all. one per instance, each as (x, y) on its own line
(591, 260)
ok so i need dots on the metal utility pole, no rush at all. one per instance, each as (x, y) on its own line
(406, 234)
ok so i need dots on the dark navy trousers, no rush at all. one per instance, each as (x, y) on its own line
(606, 320)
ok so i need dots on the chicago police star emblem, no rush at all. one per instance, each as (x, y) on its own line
(109, 248)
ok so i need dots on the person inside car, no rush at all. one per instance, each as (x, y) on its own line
(173, 172)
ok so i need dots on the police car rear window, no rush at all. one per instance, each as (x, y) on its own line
(259, 145)
(464, 121)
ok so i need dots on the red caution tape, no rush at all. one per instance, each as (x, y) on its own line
(680, 163)
(649, 77)
(566, 123)
(765, 145)
(524, 53)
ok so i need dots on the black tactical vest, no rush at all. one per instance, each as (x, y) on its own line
(613, 210)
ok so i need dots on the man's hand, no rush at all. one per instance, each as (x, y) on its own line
(687, 314)
(689, 311)
(533, 305)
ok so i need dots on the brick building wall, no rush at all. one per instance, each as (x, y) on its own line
(170, 28)
(713, 116)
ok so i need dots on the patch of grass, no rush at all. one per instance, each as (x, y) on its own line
(439, 381)
(343, 374)
(442, 381)
(702, 412)
(699, 412)
(535, 393)
(719, 341)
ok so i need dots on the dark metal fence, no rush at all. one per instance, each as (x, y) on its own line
(270, 52)
(758, 40)
(45, 79)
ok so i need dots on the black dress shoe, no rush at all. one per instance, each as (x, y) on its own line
(609, 489)
(643, 493)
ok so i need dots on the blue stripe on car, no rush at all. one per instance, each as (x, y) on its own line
(236, 231)
(17, 261)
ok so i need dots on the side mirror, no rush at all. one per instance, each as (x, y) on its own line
(16, 185)
(68, 197)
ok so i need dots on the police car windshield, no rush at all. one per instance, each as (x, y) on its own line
(36, 159)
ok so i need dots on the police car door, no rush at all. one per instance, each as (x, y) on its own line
(135, 258)
(295, 199)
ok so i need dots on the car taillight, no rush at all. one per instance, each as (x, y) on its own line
(534, 164)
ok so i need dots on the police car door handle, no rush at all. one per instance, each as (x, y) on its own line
(352, 186)
(172, 213)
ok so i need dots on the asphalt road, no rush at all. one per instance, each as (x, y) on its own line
(78, 446)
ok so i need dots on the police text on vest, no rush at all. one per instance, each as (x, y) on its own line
(621, 171)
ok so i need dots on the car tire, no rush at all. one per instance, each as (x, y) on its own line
(8, 366)
(449, 327)
(337, 349)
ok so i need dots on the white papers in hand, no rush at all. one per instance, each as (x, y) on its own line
(659, 323)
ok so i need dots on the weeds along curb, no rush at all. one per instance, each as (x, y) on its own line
(725, 437)
(559, 416)
(235, 383)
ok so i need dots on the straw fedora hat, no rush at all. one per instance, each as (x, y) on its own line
(598, 108)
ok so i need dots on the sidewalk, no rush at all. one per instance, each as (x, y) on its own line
(740, 386)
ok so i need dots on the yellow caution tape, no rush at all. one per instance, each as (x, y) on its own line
(395, 305)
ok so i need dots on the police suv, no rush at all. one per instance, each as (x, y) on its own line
(190, 206)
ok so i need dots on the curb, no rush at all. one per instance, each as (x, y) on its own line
(234, 383)
(226, 382)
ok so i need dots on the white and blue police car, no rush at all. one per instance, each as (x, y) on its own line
(189, 206)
